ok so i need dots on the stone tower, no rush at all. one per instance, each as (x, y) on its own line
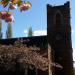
(59, 37)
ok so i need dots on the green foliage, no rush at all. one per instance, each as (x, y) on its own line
(9, 31)
(30, 32)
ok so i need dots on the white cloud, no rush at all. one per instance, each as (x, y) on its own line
(73, 31)
(39, 32)
(25, 31)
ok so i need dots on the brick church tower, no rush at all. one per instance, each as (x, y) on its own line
(59, 37)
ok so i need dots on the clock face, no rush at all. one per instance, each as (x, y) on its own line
(58, 37)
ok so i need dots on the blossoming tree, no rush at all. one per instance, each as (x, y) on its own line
(7, 15)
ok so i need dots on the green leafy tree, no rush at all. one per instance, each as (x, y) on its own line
(9, 31)
(30, 32)
(0, 29)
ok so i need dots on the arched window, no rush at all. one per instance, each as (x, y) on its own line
(58, 19)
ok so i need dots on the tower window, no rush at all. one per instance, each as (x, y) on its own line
(58, 19)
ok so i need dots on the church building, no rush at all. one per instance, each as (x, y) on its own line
(58, 37)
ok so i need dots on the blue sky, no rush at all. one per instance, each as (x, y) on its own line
(36, 17)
